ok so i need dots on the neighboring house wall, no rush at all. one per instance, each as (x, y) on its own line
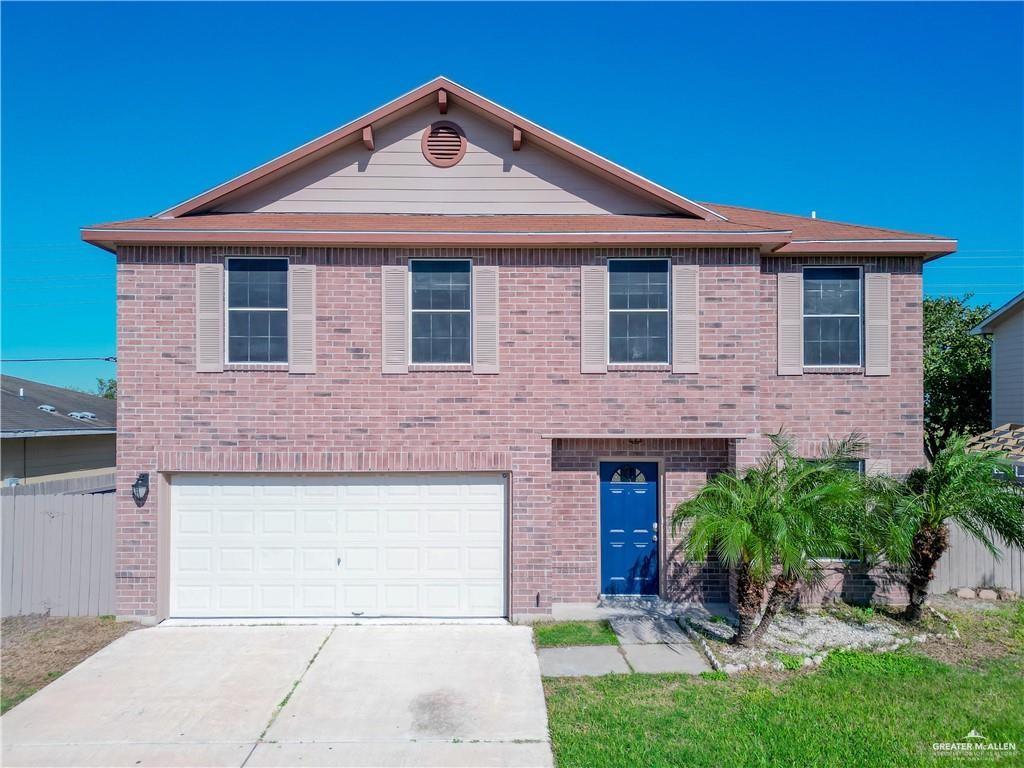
(394, 178)
(348, 416)
(1008, 369)
(35, 459)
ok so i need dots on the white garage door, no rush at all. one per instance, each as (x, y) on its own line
(337, 545)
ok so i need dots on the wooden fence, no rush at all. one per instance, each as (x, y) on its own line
(102, 482)
(968, 564)
(58, 555)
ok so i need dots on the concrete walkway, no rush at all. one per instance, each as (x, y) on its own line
(648, 643)
(441, 695)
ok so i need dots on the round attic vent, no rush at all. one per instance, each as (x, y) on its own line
(444, 144)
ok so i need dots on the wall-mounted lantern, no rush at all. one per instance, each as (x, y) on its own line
(140, 488)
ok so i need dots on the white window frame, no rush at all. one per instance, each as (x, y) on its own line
(228, 309)
(860, 314)
(433, 311)
(609, 310)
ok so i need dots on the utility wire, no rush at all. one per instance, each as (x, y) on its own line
(110, 359)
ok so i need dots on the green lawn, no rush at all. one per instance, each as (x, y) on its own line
(561, 633)
(859, 709)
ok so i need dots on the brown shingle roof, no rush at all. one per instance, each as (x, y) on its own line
(774, 232)
(806, 228)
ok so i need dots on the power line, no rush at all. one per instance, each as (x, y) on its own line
(111, 359)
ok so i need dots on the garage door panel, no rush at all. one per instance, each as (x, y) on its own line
(236, 560)
(390, 545)
(358, 521)
(241, 521)
(320, 521)
(359, 561)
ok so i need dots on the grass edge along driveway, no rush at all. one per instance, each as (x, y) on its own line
(560, 634)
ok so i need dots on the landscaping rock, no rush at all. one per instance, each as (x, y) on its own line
(965, 594)
(988, 594)
(1007, 594)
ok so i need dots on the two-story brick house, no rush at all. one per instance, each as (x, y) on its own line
(444, 362)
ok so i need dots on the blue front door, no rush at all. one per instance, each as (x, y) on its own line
(629, 528)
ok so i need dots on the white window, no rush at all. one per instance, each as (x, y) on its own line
(257, 309)
(441, 311)
(833, 316)
(638, 301)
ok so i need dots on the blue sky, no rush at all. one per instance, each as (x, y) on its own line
(898, 115)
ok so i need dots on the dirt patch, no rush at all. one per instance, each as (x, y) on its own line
(985, 634)
(36, 650)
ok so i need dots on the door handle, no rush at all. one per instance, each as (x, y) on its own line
(654, 526)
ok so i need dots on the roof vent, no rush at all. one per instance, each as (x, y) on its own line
(443, 144)
(83, 415)
(47, 408)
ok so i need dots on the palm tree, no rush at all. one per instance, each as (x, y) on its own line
(774, 522)
(973, 488)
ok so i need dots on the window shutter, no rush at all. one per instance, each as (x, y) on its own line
(791, 323)
(394, 319)
(877, 324)
(210, 318)
(685, 319)
(301, 318)
(594, 319)
(877, 466)
(485, 319)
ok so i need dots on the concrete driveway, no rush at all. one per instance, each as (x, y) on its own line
(406, 695)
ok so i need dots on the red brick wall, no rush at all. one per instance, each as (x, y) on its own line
(348, 417)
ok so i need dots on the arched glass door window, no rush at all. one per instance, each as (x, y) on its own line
(627, 473)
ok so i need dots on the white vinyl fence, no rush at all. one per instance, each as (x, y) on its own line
(968, 564)
(58, 555)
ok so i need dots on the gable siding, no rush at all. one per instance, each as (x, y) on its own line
(1008, 370)
(396, 178)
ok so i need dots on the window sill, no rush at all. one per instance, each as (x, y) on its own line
(849, 370)
(441, 368)
(663, 367)
(256, 366)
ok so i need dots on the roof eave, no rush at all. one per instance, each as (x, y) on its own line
(110, 239)
(928, 248)
(18, 433)
(984, 327)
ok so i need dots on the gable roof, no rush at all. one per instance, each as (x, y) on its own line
(21, 417)
(986, 325)
(420, 96)
(204, 220)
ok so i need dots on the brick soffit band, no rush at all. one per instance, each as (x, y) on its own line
(330, 461)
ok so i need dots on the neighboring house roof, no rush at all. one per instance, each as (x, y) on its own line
(20, 416)
(1008, 438)
(687, 222)
(986, 325)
